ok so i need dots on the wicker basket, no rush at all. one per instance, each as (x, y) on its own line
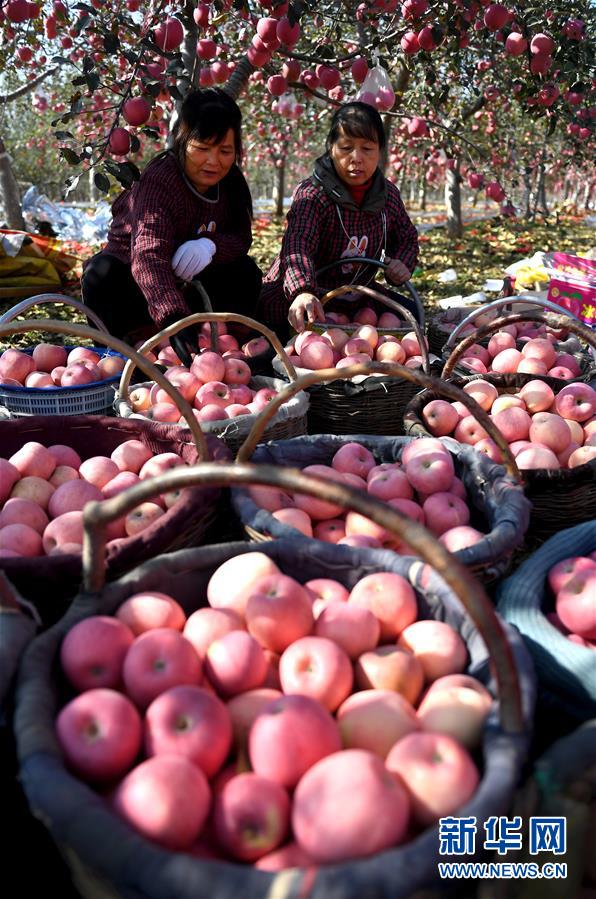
(19, 622)
(566, 671)
(496, 492)
(561, 320)
(374, 405)
(290, 420)
(107, 858)
(96, 398)
(49, 581)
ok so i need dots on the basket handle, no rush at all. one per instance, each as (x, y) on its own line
(500, 304)
(391, 304)
(366, 260)
(195, 319)
(549, 318)
(97, 515)
(152, 372)
(386, 368)
(42, 299)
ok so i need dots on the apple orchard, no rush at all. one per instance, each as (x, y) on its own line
(496, 96)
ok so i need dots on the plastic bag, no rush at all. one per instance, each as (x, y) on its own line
(376, 89)
(68, 222)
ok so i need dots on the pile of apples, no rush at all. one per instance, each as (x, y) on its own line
(538, 355)
(216, 384)
(43, 491)
(422, 485)
(336, 347)
(50, 366)
(281, 725)
(573, 585)
(543, 430)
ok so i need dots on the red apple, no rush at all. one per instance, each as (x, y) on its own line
(93, 652)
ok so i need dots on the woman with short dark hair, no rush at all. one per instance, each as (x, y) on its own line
(346, 208)
(188, 215)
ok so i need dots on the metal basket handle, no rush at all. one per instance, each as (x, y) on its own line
(548, 318)
(386, 368)
(500, 304)
(365, 260)
(97, 515)
(152, 372)
(42, 299)
(196, 318)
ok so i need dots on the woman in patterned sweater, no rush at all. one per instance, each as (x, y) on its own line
(347, 208)
(189, 214)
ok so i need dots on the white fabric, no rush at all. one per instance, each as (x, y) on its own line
(192, 257)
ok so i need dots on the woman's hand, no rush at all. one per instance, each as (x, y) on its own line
(396, 272)
(192, 257)
(305, 308)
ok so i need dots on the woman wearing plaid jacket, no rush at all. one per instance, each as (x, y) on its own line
(346, 208)
(189, 214)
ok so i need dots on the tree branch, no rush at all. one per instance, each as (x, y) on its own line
(27, 88)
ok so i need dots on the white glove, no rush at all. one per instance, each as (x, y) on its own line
(192, 257)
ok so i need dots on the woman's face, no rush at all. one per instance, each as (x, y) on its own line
(355, 158)
(206, 162)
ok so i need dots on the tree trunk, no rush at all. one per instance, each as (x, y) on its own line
(92, 187)
(279, 189)
(528, 192)
(455, 227)
(422, 193)
(10, 197)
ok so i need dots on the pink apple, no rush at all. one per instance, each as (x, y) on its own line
(290, 855)
(270, 498)
(157, 660)
(319, 509)
(16, 365)
(62, 532)
(40, 380)
(499, 342)
(235, 663)
(124, 480)
(432, 471)
(236, 372)
(316, 667)
(82, 354)
(568, 568)
(439, 417)
(214, 393)
(551, 431)
(34, 460)
(295, 518)
(507, 361)
(166, 799)
(365, 316)
(324, 591)
(291, 734)
(72, 496)
(23, 511)
(316, 355)
(537, 395)
(9, 475)
(576, 401)
(278, 612)
(189, 721)
(251, 816)
(581, 456)
(230, 584)
(140, 399)
(355, 629)
(375, 720)
(21, 539)
(331, 531)
(38, 490)
(159, 465)
(93, 651)
(513, 423)
(390, 484)
(472, 364)
(111, 366)
(437, 646)
(78, 374)
(244, 709)
(390, 598)
(62, 474)
(242, 394)
(336, 338)
(443, 511)
(460, 537)
(566, 360)
(263, 397)
(455, 710)
(100, 735)
(390, 351)
(142, 517)
(349, 806)
(206, 625)
(98, 470)
(575, 603)
(389, 667)
(208, 366)
(145, 611)
(541, 349)
(438, 773)
(256, 347)
(353, 458)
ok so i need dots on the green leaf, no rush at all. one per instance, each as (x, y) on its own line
(64, 135)
(154, 88)
(81, 24)
(85, 8)
(102, 182)
(69, 156)
(151, 133)
(93, 81)
(174, 92)
(135, 144)
(80, 79)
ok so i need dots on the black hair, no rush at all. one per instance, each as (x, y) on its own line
(208, 115)
(357, 119)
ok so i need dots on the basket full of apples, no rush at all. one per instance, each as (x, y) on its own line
(372, 404)
(551, 600)
(51, 466)
(525, 343)
(48, 379)
(474, 506)
(550, 427)
(224, 722)
(225, 395)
